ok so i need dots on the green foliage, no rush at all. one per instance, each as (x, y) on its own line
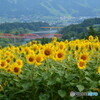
(90, 21)
(93, 32)
(46, 40)
(62, 93)
(82, 30)
(18, 28)
(50, 82)
(80, 87)
(6, 41)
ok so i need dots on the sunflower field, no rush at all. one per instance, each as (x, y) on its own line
(51, 71)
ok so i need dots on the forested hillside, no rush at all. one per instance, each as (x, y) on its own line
(86, 28)
(22, 27)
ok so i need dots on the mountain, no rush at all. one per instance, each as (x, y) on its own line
(17, 8)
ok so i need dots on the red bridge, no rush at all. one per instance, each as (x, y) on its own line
(28, 36)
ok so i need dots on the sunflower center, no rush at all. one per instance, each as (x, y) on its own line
(16, 69)
(7, 54)
(19, 63)
(35, 48)
(47, 52)
(38, 59)
(86, 46)
(60, 55)
(90, 37)
(8, 70)
(83, 57)
(8, 60)
(31, 59)
(34, 42)
(61, 46)
(2, 64)
(81, 64)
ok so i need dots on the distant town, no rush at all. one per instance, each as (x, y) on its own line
(60, 21)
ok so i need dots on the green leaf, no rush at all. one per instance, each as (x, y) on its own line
(80, 87)
(94, 84)
(61, 73)
(51, 82)
(99, 82)
(58, 80)
(88, 79)
(70, 77)
(2, 96)
(87, 73)
(26, 85)
(72, 98)
(44, 96)
(16, 80)
(62, 93)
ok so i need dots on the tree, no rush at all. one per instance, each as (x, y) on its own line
(91, 31)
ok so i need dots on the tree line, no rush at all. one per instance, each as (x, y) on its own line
(82, 30)
(18, 28)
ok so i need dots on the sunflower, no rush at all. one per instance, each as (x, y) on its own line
(16, 49)
(90, 37)
(13, 47)
(54, 40)
(19, 62)
(8, 60)
(8, 70)
(61, 45)
(11, 56)
(33, 42)
(66, 41)
(96, 46)
(16, 69)
(84, 56)
(3, 64)
(81, 64)
(40, 46)
(30, 52)
(38, 59)
(7, 53)
(30, 59)
(86, 45)
(25, 50)
(60, 55)
(47, 51)
(35, 47)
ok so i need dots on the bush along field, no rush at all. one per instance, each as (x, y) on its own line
(51, 71)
